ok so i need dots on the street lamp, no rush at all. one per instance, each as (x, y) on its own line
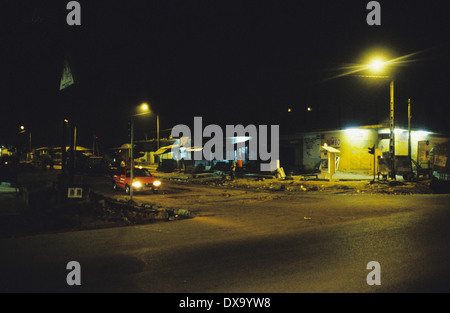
(144, 109)
(376, 66)
(22, 131)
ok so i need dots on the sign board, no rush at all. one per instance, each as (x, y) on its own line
(423, 151)
(333, 141)
(440, 160)
(311, 151)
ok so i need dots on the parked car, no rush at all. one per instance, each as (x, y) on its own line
(143, 180)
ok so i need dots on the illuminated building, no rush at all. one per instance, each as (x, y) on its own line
(301, 152)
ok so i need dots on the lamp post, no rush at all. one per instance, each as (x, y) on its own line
(65, 124)
(22, 131)
(375, 66)
(157, 131)
(144, 110)
(392, 130)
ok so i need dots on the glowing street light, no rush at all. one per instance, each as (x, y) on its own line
(144, 107)
(376, 65)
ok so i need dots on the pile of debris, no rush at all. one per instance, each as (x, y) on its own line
(120, 209)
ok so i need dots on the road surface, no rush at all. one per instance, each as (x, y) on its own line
(244, 241)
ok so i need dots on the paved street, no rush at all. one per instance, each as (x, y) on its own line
(245, 241)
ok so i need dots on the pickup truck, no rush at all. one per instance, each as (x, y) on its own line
(142, 180)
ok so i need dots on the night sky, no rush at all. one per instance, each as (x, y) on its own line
(231, 62)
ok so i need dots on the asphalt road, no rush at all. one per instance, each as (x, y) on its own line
(248, 242)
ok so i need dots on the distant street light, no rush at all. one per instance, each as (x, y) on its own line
(144, 109)
(22, 131)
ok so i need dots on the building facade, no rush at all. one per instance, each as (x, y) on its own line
(302, 152)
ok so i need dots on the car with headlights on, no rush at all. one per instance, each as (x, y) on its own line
(143, 180)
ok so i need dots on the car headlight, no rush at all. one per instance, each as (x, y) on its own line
(156, 183)
(137, 184)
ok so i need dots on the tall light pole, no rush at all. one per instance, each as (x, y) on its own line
(409, 130)
(378, 65)
(22, 131)
(144, 110)
(157, 131)
(375, 66)
(392, 130)
(65, 124)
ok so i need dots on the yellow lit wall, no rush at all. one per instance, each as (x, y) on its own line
(401, 141)
(354, 145)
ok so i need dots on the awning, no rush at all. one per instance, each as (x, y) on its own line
(163, 150)
(330, 149)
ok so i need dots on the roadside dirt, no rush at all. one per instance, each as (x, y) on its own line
(298, 185)
(184, 198)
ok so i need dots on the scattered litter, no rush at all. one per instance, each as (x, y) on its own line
(306, 218)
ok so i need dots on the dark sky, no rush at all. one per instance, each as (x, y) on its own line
(230, 62)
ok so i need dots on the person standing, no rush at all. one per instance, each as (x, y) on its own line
(181, 165)
(232, 169)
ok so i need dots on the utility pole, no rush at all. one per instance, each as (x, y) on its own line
(131, 160)
(372, 151)
(409, 129)
(391, 123)
(392, 131)
(72, 153)
(157, 131)
(63, 149)
(409, 136)
(144, 107)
